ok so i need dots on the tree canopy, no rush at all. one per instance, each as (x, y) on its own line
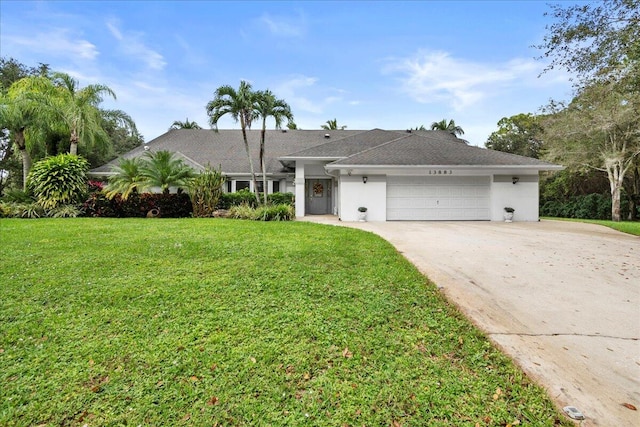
(520, 134)
(185, 125)
(332, 125)
(596, 41)
(449, 126)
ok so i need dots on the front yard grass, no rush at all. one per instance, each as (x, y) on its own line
(223, 322)
(629, 227)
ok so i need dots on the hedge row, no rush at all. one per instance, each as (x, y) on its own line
(590, 206)
(168, 205)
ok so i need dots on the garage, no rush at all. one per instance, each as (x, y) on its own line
(438, 198)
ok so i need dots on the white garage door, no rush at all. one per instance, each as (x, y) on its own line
(426, 198)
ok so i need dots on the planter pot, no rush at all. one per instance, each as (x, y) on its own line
(508, 217)
(362, 216)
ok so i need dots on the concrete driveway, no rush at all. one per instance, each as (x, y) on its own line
(561, 298)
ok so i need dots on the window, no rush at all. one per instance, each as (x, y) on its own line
(276, 186)
(260, 186)
(241, 185)
(228, 186)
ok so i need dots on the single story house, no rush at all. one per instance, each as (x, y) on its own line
(396, 175)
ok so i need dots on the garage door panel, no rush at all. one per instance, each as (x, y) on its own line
(438, 198)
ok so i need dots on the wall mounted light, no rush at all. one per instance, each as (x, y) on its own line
(364, 179)
(515, 180)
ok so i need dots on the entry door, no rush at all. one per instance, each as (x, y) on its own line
(318, 195)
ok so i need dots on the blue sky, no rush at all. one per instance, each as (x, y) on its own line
(392, 65)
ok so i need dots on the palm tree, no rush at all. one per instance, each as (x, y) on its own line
(240, 104)
(184, 125)
(267, 105)
(126, 179)
(23, 116)
(332, 125)
(449, 127)
(78, 109)
(162, 169)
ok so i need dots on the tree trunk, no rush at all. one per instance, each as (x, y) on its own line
(246, 146)
(263, 168)
(26, 158)
(73, 149)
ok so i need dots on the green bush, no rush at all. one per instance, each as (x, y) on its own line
(64, 211)
(21, 210)
(589, 206)
(246, 197)
(206, 189)
(59, 180)
(263, 213)
(172, 205)
(17, 196)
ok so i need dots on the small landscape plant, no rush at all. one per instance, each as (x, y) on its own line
(59, 180)
(205, 190)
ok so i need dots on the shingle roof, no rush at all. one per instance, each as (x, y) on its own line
(377, 147)
(226, 148)
(424, 149)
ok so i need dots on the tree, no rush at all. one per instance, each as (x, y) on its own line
(449, 127)
(126, 179)
(78, 109)
(332, 125)
(267, 105)
(240, 105)
(596, 41)
(21, 115)
(597, 129)
(184, 125)
(163, 169)
(520, 134)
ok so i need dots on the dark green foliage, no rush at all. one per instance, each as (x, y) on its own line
(262, 212)
(138, 205)
(206, 189)
(59, 180)
(281, 199)
(17, 196)
(245, 197)
(590, 206)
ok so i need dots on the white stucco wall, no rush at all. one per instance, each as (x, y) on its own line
(354, 193)
(522, 196)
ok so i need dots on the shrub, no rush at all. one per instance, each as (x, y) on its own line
(246, 197)
(262, 213)
(59, 180)
(206, 189)
(64, 211)
(138, 205)
(17, 196)
(589, 206)
(21, 210)
(281, 199)
(242, 197)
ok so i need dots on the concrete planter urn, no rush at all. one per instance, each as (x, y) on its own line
(362, 215)
(508, 214)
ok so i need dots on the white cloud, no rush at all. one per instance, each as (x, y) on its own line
(58, 42)
(132, 45)
(284, 26)
(436, 76)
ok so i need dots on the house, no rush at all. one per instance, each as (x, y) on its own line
(397, 175)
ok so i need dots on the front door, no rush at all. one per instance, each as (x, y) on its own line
(318, 196)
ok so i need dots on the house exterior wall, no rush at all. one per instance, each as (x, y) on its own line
(354, 193)
(523, 196)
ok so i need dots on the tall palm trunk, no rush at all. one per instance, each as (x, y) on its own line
(73, 148)
(263, 168)
(26, 158)
(246, 147)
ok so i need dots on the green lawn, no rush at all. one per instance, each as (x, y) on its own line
(628, 227)
(223, 322)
